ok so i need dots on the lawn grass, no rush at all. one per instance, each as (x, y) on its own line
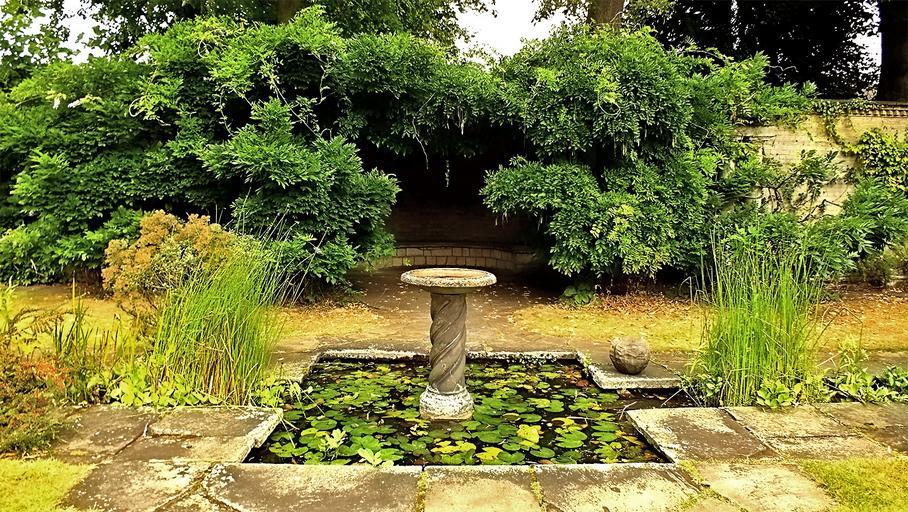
(668, 324)
(872, 317)
(37, 485)
(863, 485)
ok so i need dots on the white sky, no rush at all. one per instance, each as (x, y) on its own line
(501, 34)
(514, 22)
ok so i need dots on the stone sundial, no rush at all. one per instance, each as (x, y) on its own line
(446, 397)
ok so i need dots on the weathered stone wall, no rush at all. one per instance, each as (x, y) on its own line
(785, 144)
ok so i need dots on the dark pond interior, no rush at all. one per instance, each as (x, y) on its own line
(526, 413)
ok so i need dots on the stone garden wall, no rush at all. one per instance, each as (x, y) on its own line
(785, 144)
(473, 237)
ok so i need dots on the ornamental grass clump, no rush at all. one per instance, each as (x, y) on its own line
(216, 330)
(762, 326)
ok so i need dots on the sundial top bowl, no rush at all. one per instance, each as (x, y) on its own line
(446, 397)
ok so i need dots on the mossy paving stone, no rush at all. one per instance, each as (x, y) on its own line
(802, 421)
(614, 487)
(480, 489)
(195, 503)
(99, 432)
(867, 416)
(211, 449)
(654, 376)
(253, 422)
(270, 487)
(765, 487)
(134, 486)
(828, 447)
(893, 437)
(695, 433)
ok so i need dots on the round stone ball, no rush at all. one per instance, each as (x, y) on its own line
(630, 355)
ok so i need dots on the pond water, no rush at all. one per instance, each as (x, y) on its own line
(526, 413)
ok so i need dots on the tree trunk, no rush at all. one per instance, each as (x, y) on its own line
(606, 12)
(894, 51)
(285, 9)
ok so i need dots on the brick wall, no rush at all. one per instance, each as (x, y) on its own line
(504, 258)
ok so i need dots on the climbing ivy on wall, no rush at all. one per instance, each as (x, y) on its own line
(884, 156)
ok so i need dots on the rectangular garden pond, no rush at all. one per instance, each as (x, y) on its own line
(526, 412)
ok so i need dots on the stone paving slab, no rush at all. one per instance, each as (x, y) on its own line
(134, 486)
(99, 432)
(210, 449)
(867, 416)
(271, 487)
(791, 422)
(195, 503)
(480, 489)
(294, 366)
(893, 437)
(828, 447)
(256, 423)
(710, 504)
(697, 433)
(614, 487)
(765, 488)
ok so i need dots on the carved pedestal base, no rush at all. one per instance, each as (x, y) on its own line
(435, 405)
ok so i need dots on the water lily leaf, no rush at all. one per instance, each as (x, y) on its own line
(569, 443)
(324, 424)
(530, 433)
(511, 458)
(530, 417)
(491, 437)
(543, 452)
(488, 454)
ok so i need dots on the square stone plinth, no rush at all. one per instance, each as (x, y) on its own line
(322, 488)
(253, 422)
(99, 432)
(802, 421)
(480, 489)
(654, 376)
(765, 488)
(134, 486)
(695, 433)
(615, 487)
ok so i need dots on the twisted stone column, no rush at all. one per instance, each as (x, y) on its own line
(446, 396)
(448, 334)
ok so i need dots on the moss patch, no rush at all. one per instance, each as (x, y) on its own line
(37, 485)
(864, 485)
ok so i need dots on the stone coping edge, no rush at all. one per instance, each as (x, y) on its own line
(605, 380)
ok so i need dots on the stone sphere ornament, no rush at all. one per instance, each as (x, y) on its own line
(446, 397)
(630, 355)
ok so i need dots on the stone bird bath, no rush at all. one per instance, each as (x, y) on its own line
(446, 397)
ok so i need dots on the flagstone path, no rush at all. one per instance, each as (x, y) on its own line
(740, 458)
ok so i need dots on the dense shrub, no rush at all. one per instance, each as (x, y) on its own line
(633, 148)
(626, 153)
(167, 251)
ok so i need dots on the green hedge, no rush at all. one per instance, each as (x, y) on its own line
(625, 152)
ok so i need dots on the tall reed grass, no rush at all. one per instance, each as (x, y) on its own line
(215, 331)
(762, 324)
